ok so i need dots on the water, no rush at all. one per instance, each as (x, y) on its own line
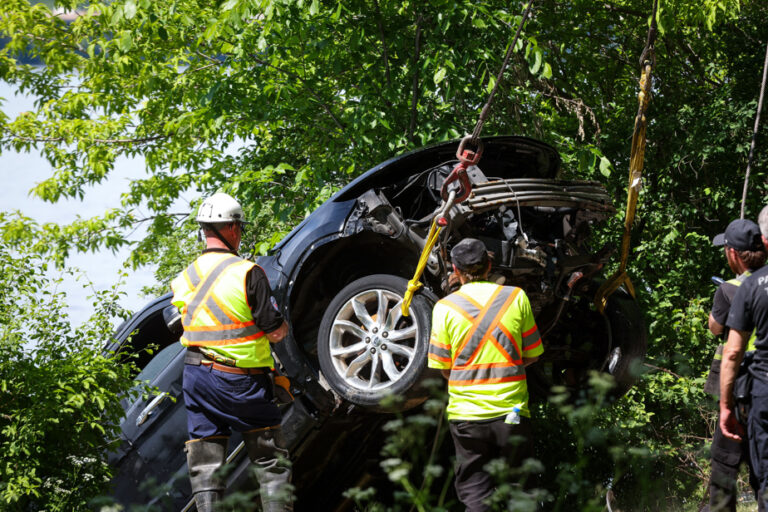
(21, 171)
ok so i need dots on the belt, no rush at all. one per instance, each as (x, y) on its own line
(232, 369)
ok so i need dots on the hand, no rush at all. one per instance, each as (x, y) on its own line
(729, 426)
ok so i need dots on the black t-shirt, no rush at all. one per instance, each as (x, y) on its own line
(749, 311)
(259, 295)
(721, 303)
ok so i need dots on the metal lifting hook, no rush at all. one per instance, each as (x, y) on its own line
(466, 158)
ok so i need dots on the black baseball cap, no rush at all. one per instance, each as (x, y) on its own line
(742, 235)
(469, 255)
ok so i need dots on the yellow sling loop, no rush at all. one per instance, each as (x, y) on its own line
(434, 233)
(620, 277)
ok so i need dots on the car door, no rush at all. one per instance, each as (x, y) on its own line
(151, 465)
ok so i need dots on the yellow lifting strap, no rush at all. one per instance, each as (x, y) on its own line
(414, 284)
(620, 277)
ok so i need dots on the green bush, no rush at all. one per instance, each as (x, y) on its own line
(59, 394)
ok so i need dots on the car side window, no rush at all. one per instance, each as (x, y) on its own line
(158, 362)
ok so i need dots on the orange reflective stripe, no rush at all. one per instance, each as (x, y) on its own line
(225, 310)
(493, 324)
(458, 309)
(511, 338)
(486, 381)
(439, 345)
(503, 351)
(476, 323)
(534, 345)
(530, 331)
(190, 286)
(221, 343)
(469, 299)
(203, 328)
(204, 307)
(439, 358)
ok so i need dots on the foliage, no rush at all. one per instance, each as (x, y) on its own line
(59, 394)
(584, 450)
(283, 102)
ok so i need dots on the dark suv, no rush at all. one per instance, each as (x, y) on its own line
(339, 278)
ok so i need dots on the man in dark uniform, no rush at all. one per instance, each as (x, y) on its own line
(748, 314)
(744, 255)
(229, 320)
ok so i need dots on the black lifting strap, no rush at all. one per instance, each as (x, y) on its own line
(754, 133)
(487, 107)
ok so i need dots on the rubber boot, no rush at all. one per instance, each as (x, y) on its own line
(267, 451)
(204, 458)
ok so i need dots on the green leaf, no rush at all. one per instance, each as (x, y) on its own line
(547, 73)
(129, 8)
(478, 23)
(537, 58)
(605, 166)
(125, 42)
(440, 75)
(314, 8)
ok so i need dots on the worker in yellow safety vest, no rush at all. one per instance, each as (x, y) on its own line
(229, 319)
(483, 336)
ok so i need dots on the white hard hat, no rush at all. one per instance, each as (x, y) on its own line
(220, 207)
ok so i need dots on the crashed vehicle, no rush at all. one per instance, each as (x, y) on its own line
(340, 277)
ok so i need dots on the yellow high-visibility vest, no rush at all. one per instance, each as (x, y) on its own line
(482, 333)
(751, 342)
(210, 294)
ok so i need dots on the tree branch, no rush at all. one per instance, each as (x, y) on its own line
(624, 10)
(140, 140)
(311, 92)
(662, 370)
(414, 97)
(72, 47)
(383, 42)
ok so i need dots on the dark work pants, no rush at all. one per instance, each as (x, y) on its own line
(479, 442)
(757, 434)
(218, 402)
(727, 456)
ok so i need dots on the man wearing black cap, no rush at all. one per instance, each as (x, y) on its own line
(744, 254)
(483, 337)
(748, 318)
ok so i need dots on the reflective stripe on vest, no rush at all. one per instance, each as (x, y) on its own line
(486, 328)
(228, 329)
(751, 342)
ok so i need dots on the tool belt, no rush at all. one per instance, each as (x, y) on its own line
(197, 356)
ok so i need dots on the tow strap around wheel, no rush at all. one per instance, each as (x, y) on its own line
(647, 62)
(466, 158)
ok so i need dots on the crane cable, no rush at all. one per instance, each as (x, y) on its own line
(754, 133)
(465, 158)
(647, 62)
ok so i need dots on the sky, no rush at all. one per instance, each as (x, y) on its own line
(21, 171)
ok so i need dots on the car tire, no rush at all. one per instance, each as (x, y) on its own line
(365, 359)
(617, 341)
(630, 341)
